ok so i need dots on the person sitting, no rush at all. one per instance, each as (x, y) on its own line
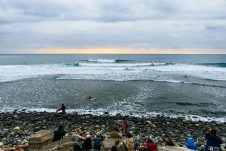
(213, 141)
(130, 142)
(168, 141)
(87, 141)
(62, 109)
(190, 143)
(58, 134)
(125, 124)
(151, 146)
(87, 145)
(137, 143)
(97, 141)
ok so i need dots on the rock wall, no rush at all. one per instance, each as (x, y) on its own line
(172, 148)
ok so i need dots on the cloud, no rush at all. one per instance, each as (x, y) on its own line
(129, 24)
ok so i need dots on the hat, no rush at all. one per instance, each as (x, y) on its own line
(151, 138)
(97, 133)
(87, 136)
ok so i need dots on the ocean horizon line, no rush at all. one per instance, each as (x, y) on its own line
(112, 54)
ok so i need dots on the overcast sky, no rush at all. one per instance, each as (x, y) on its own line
(135, 26)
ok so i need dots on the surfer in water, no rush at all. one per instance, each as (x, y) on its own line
(90, 98)
(62, 109)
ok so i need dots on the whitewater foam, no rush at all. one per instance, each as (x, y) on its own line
(102, 60)
(113, 71)
(102, 111)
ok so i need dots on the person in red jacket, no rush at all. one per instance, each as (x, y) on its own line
(62, 109)
(151, 146)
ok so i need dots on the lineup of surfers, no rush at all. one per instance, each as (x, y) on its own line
(213, 141)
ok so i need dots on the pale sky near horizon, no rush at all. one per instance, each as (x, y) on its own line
(112, 26)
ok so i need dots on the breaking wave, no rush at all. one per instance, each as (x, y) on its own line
(109, 70)
(222, 64)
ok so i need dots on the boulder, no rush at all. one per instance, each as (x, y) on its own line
(108, 143)
(17, 129)
(65, 144)
(172, 148)
(39, 139)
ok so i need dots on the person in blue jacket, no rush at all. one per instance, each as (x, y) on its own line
(97, 141)
(190, 143)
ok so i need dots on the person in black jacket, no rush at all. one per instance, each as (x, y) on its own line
(59, 134)
(87, 145)
(213, 141)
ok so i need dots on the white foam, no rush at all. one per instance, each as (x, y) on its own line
(102, 60)
(112, 71)
(205, 72)
(102, 111)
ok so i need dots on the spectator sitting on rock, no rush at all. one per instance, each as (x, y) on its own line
(213, 141)
(87, 142)
(58, 134)
(87, 145)
(97, 141)
(190, 143)
(137, 143)
(151, 146)
(168, 141)
(129, 142)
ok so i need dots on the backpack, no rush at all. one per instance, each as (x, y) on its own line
(190, 143)
(122, 146)
(97, 141)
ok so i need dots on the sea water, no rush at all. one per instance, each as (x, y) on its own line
(193, 86)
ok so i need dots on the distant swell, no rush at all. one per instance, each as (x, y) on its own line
(101, 60)
(223, 65)
(124, 61)
(75, 64)
(192, 104)
(208, 85)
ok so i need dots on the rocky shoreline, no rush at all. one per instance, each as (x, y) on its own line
(16, 127)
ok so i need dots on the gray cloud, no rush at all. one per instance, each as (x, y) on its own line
(135, 24)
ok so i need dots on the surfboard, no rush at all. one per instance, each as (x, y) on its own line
(92, 99)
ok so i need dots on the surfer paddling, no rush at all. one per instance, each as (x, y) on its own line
(90, 98)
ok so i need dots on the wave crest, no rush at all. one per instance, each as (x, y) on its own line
(221, 64)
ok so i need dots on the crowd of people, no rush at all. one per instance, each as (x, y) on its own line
(126, 142)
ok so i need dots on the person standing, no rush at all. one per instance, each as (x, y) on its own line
(62, 109)
(58, 134)
(125, 124)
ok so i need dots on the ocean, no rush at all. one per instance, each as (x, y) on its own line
(192, 86)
